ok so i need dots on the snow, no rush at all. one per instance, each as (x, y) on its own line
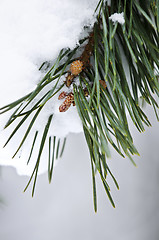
(32, 32)
(117, 17)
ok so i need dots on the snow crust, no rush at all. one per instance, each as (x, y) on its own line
(32, 32)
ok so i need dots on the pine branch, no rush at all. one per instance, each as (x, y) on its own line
(105, 95)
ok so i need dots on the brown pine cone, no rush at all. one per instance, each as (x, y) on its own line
(67, 103)
(76, 67)
(62, 95)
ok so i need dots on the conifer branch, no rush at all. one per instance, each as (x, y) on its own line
(102, 108)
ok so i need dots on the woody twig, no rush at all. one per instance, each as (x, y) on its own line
(77, 67)
(82, 62)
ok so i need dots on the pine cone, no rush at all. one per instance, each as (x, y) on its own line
(76, 67)
(62, 95)
(67, 103)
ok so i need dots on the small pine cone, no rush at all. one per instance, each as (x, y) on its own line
(76, 67)
(62, 95)
(67, 103)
